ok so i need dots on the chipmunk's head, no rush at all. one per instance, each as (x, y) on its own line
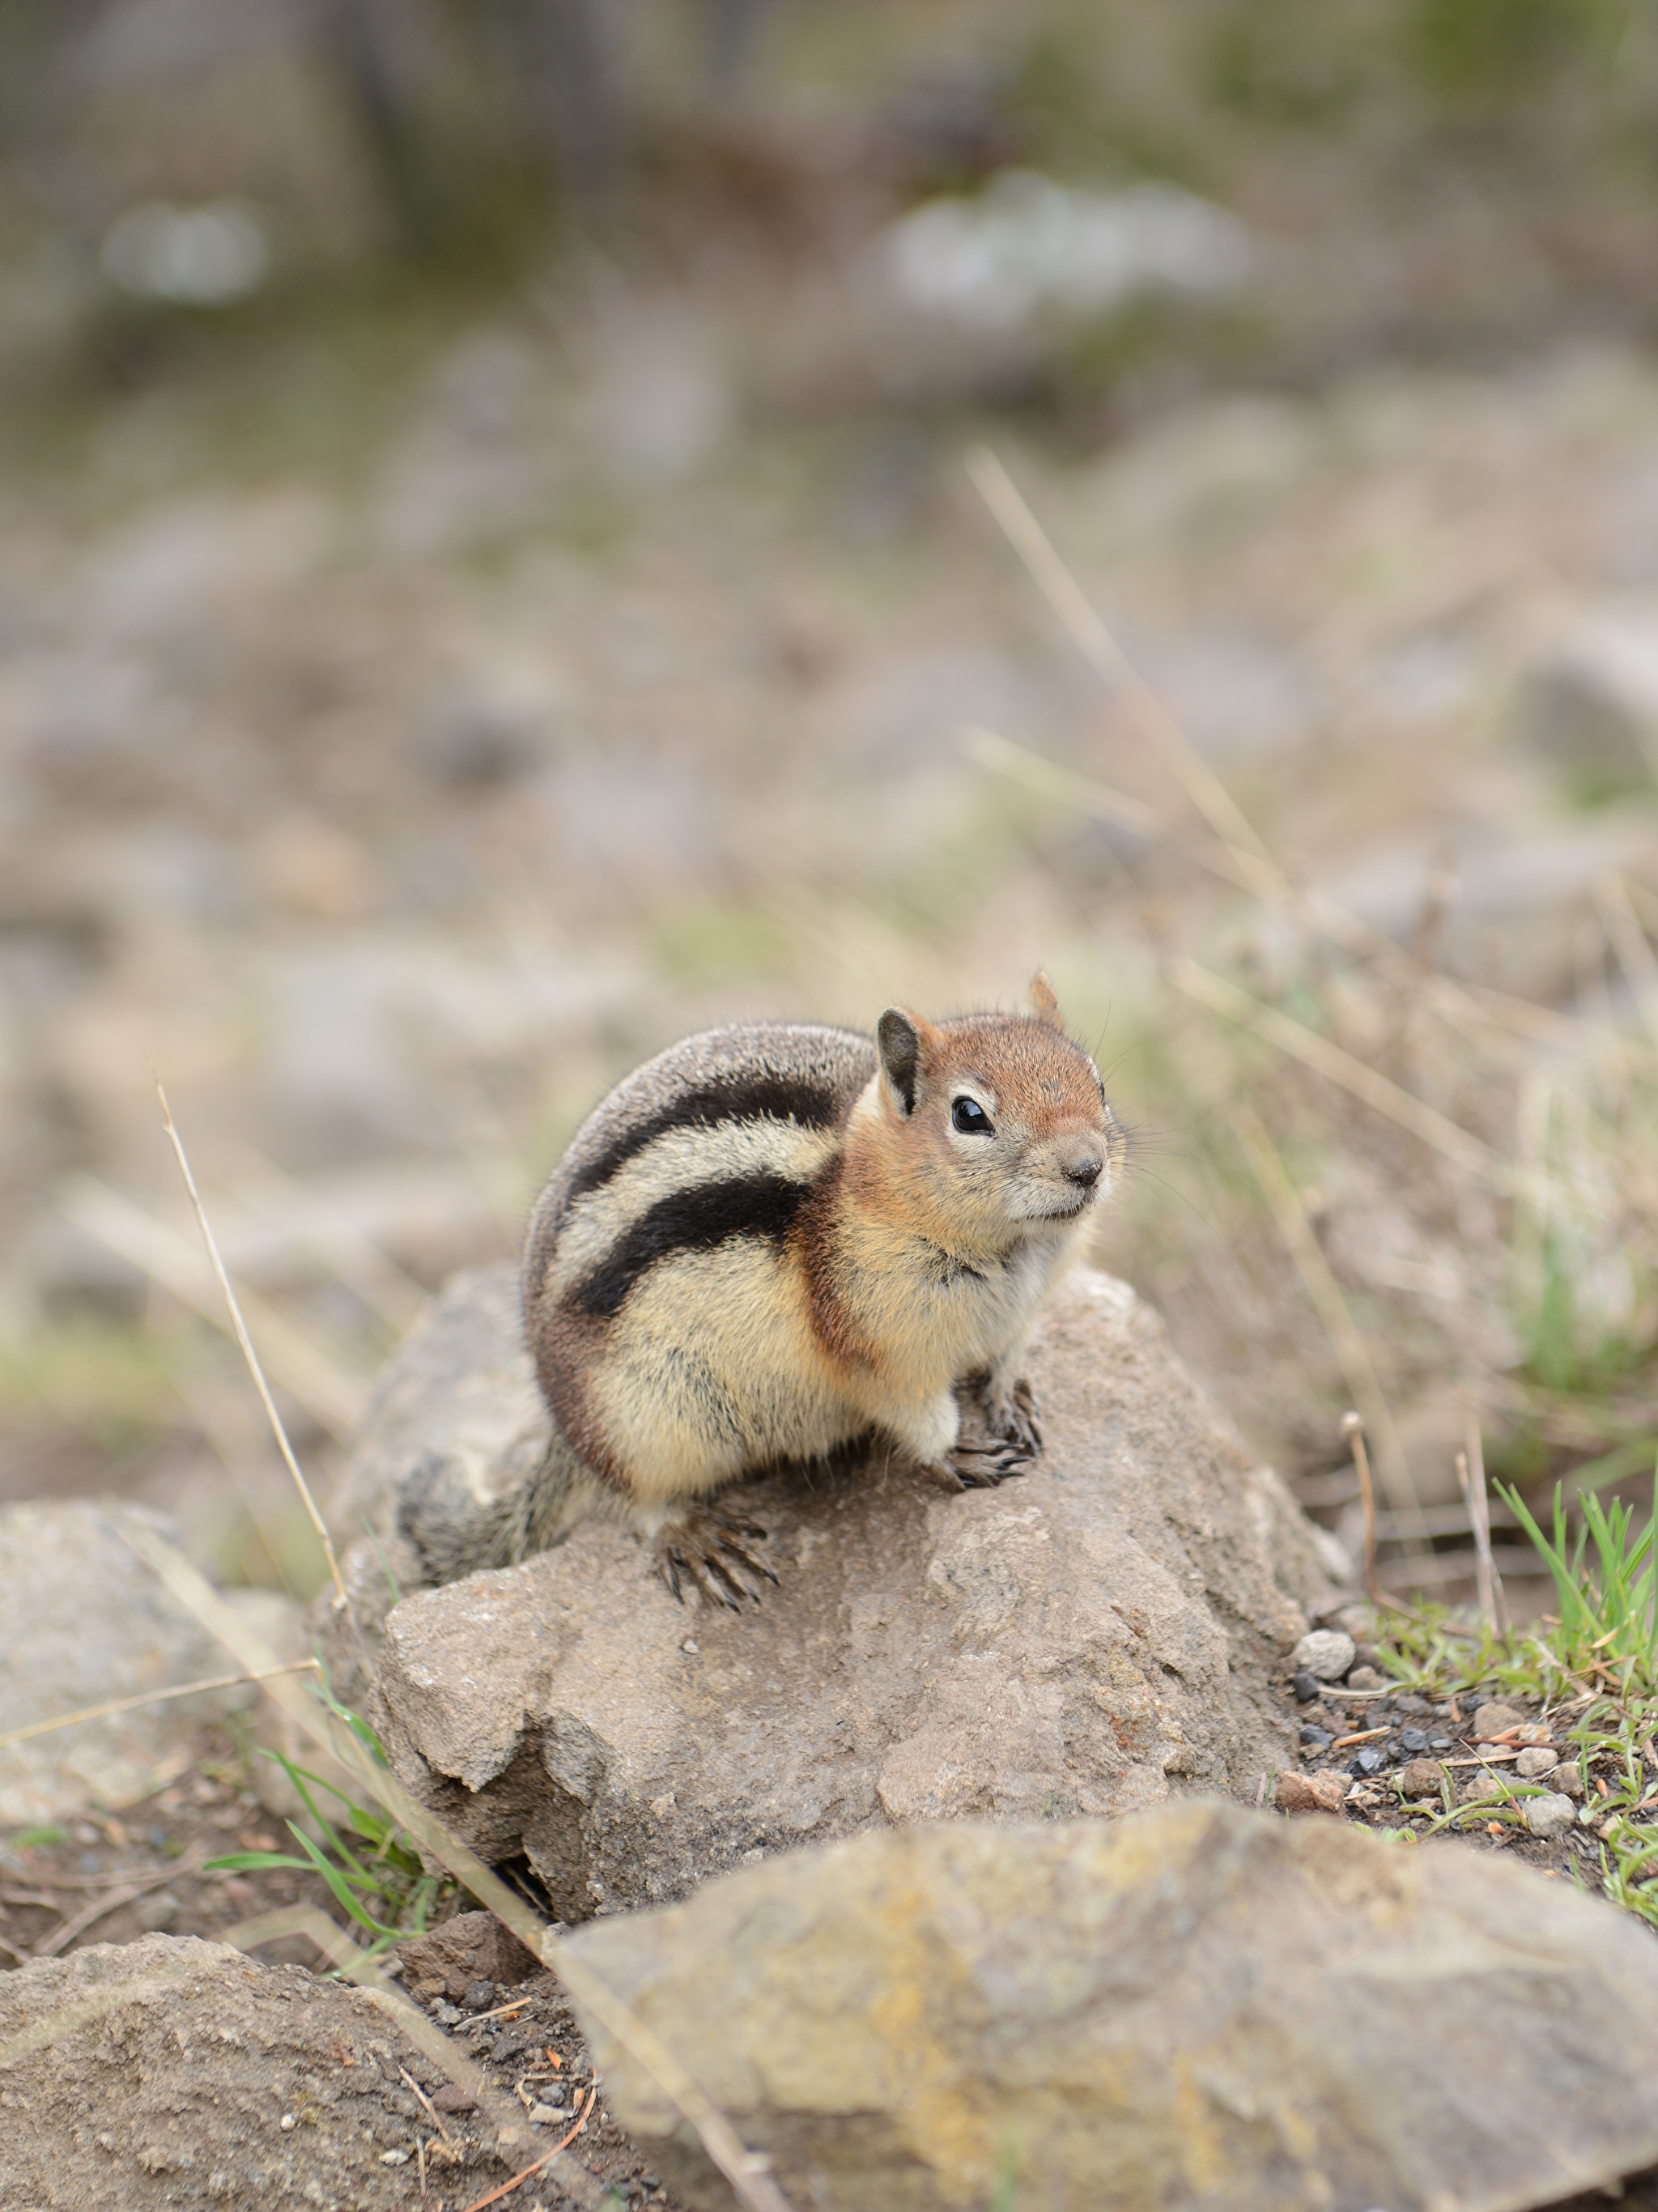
(992, 1127)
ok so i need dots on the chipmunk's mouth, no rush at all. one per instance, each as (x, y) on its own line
(1067, 1212)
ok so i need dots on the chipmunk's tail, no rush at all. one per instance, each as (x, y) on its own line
(456, 1532)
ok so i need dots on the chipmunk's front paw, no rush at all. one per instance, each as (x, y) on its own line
(1007, 1420)
(714, 1549)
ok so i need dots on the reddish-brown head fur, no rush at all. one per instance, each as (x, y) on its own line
(981, 1132)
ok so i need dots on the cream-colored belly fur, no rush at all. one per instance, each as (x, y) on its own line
(714, 1370)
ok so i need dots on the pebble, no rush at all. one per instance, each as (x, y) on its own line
(395, 2157)
(1306, 1688)
(1491, 1722)
(1535, 1762)
(446, 2014)
(1551, 1816)
(1412, 1740)
(451, 2097)
(1366, 1678)
(1324, 1791)
(1370, 1760)
(1439, 1743)
(1422, 1778)
(1478, 1788)
(1327, 1654)
(1317, 1739)
(543, 2116)
(480, 1996)
(1533, 1732)
(1565, 1780)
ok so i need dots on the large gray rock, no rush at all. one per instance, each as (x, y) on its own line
(1200, 2008)
(172, 2072)
(1083, 1639)
(83, 1621)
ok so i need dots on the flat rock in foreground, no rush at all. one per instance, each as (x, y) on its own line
(1083, 1639)
(172, 2072)
(1199, 2007)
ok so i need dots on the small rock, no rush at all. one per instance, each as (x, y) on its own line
(156, 1912)
(1491, 1722)
(1370, 1760)
(1478, 1788)
(1323, 1791)
(1306, 1688)
(473, 1947)
(1550, 1815)
(1325, 1654)
(1366, 1678)
(1439, 1743)
(1422, 1778)
(451, 2097)
(445, 2014)
(1565, 1780)
(1317, 1739)
(1536, 1761)
(543, 2116)
(1412, 1740)
(396, 2157)
(479, 1996)
(1533, 1733)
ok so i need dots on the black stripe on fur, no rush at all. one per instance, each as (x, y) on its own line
(751, 1098)
(693, 1220)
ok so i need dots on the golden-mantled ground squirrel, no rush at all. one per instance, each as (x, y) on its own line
(773, 1239)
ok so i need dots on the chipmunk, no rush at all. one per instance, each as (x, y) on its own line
(773, 1239)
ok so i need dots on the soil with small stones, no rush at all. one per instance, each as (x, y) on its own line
(530, 2048)
(1380, 1722)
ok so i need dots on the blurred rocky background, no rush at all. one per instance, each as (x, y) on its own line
(490, 580)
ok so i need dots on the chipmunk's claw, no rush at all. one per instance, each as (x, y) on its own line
(998, 1439)
(713, 1550)
(980, 1463)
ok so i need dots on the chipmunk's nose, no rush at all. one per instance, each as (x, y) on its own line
(1081, 1164)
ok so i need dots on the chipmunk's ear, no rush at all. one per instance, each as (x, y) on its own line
(1044, 1006)
(903, 1038)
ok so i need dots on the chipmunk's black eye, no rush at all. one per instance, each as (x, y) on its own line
(970, 1118)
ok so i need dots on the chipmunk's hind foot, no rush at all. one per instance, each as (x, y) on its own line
(714, 1549)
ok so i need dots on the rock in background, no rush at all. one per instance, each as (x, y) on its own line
(82, 1621)
(1197, 2008)
(1081, 1640)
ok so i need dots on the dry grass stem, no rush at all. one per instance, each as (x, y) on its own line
(746, 2172)
(1352, 1428)
(1468, 1152)
(1471, 1474)
(331, 1396)
(1322, 1287)
(252, 1357)
(1105, 656)
(89, 1915)
(330, 1236)
(114, 1706)
(1635, 954)
(480, 2204)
